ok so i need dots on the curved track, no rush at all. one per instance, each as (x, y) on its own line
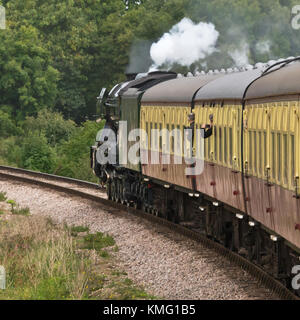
(95, 193)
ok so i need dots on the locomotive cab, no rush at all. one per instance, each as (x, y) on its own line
(108, 105)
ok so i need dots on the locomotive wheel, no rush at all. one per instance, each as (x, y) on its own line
(108, 190)
(137, 205)
(144, 207)
(174, 217)
(113, 191)
(122, 196)
(118, 191)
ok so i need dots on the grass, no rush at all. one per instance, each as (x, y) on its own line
(21, 211)
(104, 254)
(40, 261)
(78, 229)
(97, 241)
(12, 203)
(16, 209)
(75, 230)
(124, 289)
(46, 261)
(3, 196)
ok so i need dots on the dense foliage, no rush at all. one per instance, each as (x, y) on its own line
(48, 143)
(59, 53)
(56, 55)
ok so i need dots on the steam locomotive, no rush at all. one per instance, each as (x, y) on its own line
(247, 197)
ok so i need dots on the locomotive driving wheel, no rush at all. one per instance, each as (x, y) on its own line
(122, 193)
(108, 190)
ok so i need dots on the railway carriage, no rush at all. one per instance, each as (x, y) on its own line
(247, 197)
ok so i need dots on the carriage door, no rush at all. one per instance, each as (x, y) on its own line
(257, 154)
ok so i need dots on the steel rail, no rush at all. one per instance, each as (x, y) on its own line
(53, 177)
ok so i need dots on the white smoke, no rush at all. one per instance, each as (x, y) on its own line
(240, 55)
(263, 46)
(184, 44)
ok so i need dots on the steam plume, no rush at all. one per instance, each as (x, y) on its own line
(184, 44)
(240, 55)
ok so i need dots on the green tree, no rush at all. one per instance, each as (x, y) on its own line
(52, 124)
(7, 126)
(85, 38)
(27, 80)
(265, 25)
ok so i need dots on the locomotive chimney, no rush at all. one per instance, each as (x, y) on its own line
(131, 76)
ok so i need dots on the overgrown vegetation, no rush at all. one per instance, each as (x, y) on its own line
(3, 196)
(78, 229)
(50, 144)
(45, 260)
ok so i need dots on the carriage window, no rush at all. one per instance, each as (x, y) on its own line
(220, 145)
(279, 156)
(215, 142)
(249, 151)
(150, 135)
(273, 156)
(265, 150)
(147, 132)
(230, 146)
(208, 148)
(156, 141)
(260, 153)
(225, 146)
(178, 137)
(160, 137)
(172, 138)
(254, 155)
(292, 159)
(285, 163)
(166, 140)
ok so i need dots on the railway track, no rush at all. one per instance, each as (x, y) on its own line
(97, 194)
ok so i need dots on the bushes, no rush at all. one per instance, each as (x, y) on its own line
(7, 127)
(74, 154)
(37, 154)
(50, 144)
(52, 124)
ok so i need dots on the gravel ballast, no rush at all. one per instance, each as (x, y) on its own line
(168, 265)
